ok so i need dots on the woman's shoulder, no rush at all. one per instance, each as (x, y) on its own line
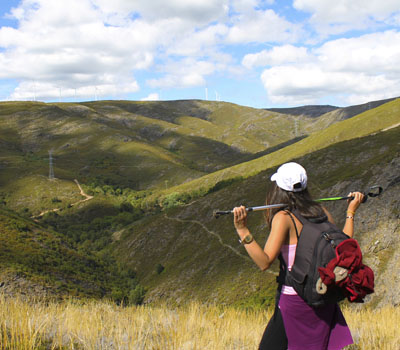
(281, 215)
(329, 215)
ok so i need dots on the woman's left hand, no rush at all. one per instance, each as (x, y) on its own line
(240, 217)
(354, 203)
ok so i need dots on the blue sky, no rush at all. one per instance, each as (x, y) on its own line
(258, 53)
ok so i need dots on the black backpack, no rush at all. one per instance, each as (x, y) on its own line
(315, 248)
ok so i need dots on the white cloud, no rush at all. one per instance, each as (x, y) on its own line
(377, 53)
(151, 97)
(347, 11)
(333, 17)
(352, 70)
(196, 11)
(262, 26)
(80, 44)
(276, 56)
(244, 6)
(199, 42)
(88, 48)
(185, 73)
(70, 46)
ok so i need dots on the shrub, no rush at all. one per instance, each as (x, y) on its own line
(224, 183)
(18, 225)
(159, 268)
(136, 296)
(175, 199)
(126, 206)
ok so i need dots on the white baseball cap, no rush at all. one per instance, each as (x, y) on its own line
(291, 177)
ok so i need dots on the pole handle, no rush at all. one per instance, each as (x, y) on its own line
(373, 191)
(218, 213)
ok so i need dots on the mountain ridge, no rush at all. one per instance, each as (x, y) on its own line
(319, 110)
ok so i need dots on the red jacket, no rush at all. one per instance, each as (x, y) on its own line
(360, 279)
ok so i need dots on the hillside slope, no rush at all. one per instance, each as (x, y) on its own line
(320, 117)
(40, 262)
(201, 255)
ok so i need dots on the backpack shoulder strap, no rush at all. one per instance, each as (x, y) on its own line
(283, 271)
(294, 223)
(300, 217)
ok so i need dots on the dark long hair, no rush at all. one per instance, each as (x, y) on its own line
(301, 201)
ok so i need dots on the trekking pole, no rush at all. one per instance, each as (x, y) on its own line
(373, 191)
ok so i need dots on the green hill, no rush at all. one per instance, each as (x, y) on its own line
(137, 182)
(321, 117)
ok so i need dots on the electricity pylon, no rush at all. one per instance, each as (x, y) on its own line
(51, 169)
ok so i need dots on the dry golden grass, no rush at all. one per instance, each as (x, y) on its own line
(102, 325)
(374, 329)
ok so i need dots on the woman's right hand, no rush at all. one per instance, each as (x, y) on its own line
(240, 218)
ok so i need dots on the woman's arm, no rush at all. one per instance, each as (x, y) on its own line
(353, 205)
(262, 258)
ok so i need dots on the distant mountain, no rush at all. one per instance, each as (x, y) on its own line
(312, 111)
(315, 111)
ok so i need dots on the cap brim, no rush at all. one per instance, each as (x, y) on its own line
(274, 177)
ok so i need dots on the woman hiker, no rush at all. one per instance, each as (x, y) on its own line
(295, 325)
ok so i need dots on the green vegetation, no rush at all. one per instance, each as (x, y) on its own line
(150, 175)
(47, 258)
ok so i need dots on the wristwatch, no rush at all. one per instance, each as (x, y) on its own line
(247, 239)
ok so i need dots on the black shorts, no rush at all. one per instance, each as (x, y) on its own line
(274, 337)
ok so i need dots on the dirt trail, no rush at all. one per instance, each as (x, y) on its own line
(82, 192)
(209, 232)
(217, 236)
(87, 197)
(391, 127)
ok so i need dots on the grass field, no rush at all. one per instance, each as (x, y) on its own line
(101, 325)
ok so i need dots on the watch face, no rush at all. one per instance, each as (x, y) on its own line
(248, 239)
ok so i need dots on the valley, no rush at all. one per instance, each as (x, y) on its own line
(136, 184)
